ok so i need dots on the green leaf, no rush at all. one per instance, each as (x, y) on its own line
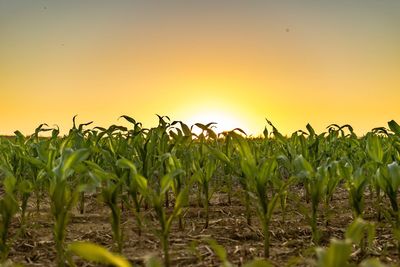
(25, 186)
(347, 170)
(267, 170)
(220, 252)
(141, 183)
(374, 148)
(127, 164)
(165, 183)
(265, 132)
(185, 129)
(129, 119)
(69, 160)
(9, 184)
(356, 230)
(220, 155)
(336, 255)
(394, 172)
(394, 127)
(35, 162)
(310, 130)
(303, 166)
(181, 199)
(96, 253)
(248, 161)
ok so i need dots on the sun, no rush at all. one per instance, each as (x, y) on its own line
(224, 120)
(207, 105)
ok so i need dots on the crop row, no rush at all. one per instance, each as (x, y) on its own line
(159, 167)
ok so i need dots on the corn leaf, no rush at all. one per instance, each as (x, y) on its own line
(96, 253)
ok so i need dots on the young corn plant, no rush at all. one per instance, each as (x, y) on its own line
(356, 182)
(8, 208)
(35, 168)
(175, 167)
(136, 184)
(331, 179)
(388, 178)
(338, 253)
(63, 196)
(203, 175)
(376, 154)
(14, 164)
(110, 194)
(230, 160)
(156, 199)
(110, 186)
(260, 180)
(224, 150)
(40, 159)
(315, 183)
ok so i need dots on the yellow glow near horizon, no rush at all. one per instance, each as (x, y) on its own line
(225, 121)
(236, 63)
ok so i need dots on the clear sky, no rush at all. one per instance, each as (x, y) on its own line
(234, 62)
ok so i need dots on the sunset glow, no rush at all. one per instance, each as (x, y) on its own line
(233, 62)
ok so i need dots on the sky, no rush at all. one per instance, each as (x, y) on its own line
(233, 62)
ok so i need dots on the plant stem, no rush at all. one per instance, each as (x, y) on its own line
(180, 222)
(247, 203)
(165, 247)
(315, 235)
(206, 208)
(166, 199)
(266, 240)
(82, 203)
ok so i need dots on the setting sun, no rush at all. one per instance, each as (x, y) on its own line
(225, 121)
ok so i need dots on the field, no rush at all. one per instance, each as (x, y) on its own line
(168, 197)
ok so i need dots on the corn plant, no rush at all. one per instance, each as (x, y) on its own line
(136, 184)
(338, 253)
(204, 172)
(356, 182)
(331, 179)
(175, 168)
(224, 151)
(156, 197)
(110, 193)
(230, 161)
(8, 208)
(110, 186)
(314, 182)
(63, 197)
(204, 166)
(376, 154)
(13, 164)
(260, 179)
(388, 178)
(40, 158)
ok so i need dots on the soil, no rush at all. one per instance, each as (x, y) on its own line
(290, 245)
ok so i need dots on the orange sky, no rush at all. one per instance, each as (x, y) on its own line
(234, 62)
